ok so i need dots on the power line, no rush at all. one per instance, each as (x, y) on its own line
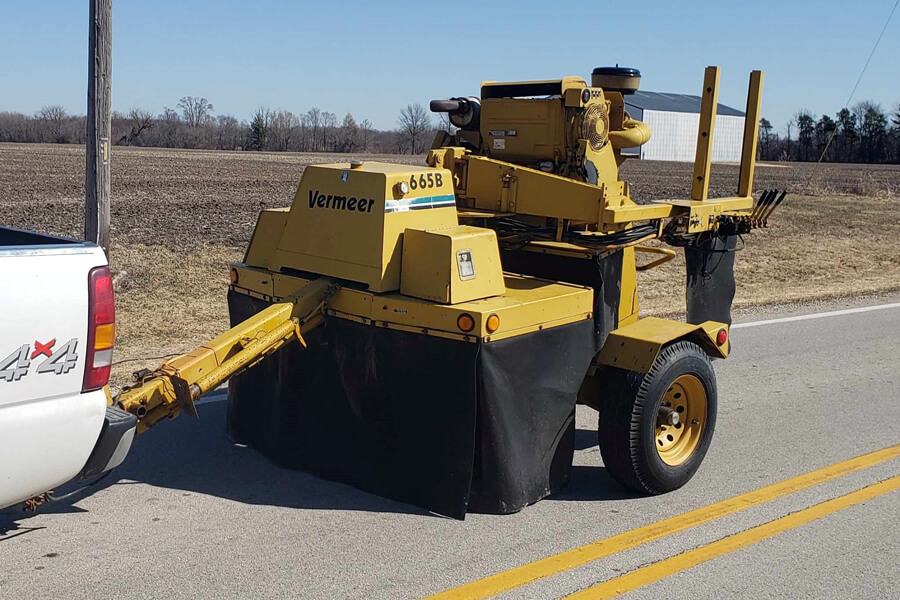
(852, 92)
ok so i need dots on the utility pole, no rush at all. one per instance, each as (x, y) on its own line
(96, 176)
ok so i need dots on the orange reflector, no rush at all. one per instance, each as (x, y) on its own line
(465, 322)
(493, 323)
(105, 336)
(234, 276)
(721, 337)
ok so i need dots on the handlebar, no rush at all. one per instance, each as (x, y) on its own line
(452, 106)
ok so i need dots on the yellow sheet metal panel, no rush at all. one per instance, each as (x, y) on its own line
(255, 279)
(266, 235)
(634, 347)
(635, 212)
(451, 265)
(347, 221)
(702, 214)
(285, 285)
(529, 304)
(734, 204)
(524, 129)
(500, 186)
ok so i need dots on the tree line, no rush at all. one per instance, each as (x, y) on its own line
(864, 133)
(194, 124)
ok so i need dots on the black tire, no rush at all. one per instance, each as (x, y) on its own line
(628, 420)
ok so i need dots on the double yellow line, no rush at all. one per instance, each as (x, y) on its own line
(564, 561)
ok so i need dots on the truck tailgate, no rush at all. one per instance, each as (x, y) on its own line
(43, 322)
(48, 427)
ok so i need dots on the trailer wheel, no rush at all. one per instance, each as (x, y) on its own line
(656, 427)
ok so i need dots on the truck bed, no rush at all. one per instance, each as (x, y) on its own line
(16, 241)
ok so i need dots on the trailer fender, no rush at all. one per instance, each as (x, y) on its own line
(635, 347)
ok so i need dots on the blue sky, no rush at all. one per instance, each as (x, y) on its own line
(372, 58)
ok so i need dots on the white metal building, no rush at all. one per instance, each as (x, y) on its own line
(674, 120)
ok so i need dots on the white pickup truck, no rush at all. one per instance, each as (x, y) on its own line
(57, 329)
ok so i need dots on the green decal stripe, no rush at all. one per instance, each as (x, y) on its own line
(420, 203)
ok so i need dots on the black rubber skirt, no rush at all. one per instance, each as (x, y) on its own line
(447, 425)
(710, 278)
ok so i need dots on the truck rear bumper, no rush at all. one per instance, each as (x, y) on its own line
(114, 443)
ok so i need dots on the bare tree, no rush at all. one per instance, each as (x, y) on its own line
(365, 135)
(313, 119)
(444, 123)
(283, 126)
(195, 111)
(230, 133)
(329, 121)
(347, 135)
(140, 120)
(53, 119)
(413, 124)
(169, 124)
(16, 127)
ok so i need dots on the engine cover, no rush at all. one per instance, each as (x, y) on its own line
(347, 220)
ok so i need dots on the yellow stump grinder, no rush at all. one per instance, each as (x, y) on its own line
(451, 316)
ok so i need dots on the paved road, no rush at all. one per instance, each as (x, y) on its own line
(190, 515)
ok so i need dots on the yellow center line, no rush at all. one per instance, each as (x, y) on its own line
(692, 558)
(570, 559)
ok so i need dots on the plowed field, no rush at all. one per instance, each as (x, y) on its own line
(179, 217)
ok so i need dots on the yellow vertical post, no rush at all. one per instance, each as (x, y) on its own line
(751, 134)
(709, 102)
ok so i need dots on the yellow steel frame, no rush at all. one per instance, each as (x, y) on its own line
(177, 384)
(635, 347)
(529, 304)
(751, 134)
(708, 105)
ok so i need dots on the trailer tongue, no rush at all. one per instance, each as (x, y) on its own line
(452, 315)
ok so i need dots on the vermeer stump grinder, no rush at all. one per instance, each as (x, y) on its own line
(451, 316)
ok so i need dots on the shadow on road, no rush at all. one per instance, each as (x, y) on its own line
(589, 483)
(195, 455)
(10, 528)
(592, 484)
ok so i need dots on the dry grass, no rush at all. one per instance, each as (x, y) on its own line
(167, 301)
(816, 247)
(180, 217)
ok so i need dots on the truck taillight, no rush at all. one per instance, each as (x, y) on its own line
(101, 329)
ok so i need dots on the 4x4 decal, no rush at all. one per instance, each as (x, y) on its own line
(15, 366)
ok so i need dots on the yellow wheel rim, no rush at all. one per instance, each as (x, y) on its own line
(681, 420)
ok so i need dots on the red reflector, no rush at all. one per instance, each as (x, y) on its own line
(96, 378)
(101, 311)
(103, 302)
(721, 337)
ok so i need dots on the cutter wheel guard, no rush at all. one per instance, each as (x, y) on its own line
(449, 317)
